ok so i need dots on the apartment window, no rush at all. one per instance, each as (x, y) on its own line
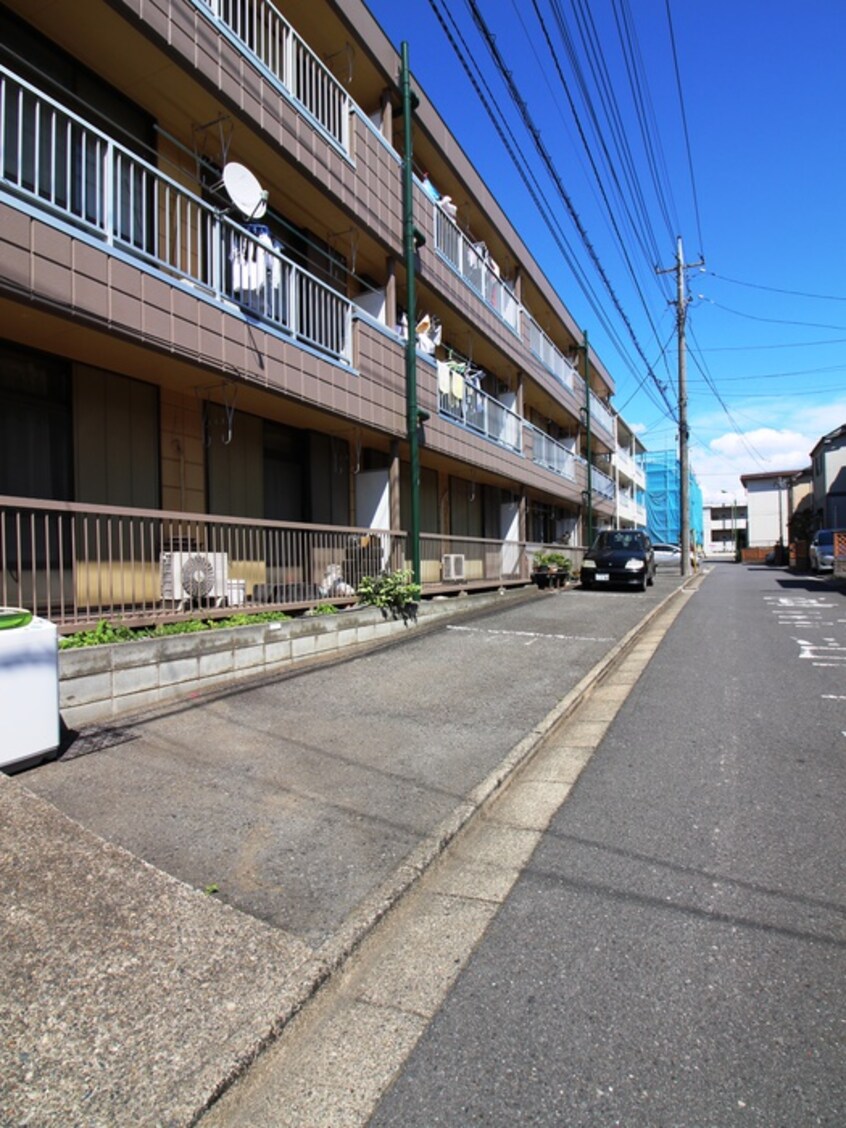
(116, 439)
(35, 425)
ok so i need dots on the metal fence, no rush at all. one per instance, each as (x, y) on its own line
(469, 560)
(77, 564)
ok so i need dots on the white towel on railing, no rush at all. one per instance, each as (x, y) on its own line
(444, 374)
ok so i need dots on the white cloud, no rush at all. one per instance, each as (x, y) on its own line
(718, 467)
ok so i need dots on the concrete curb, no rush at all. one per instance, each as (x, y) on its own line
(333, 954)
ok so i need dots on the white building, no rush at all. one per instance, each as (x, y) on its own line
(629, 476)
(828, 468)
(768, 502)
(725, 527)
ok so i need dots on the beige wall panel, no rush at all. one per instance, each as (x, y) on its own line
(53, 245)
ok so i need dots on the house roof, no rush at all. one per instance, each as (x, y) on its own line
(771, 476)
(830, 438)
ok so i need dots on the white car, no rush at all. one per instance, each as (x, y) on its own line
(821, 551)
(667, 556)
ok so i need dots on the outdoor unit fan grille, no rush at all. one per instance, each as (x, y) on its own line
(198, 576)
(194, 575)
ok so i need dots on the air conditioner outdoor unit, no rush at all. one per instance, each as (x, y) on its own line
(194, 575)
(453, 566)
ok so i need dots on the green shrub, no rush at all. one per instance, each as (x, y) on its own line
(392, 591)
(105, 633)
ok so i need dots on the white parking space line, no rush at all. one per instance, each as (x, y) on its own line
(533, 635)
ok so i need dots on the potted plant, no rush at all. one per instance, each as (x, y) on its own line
(548, 564)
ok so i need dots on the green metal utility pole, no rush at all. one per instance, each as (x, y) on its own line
(411, 241)
(589, 491)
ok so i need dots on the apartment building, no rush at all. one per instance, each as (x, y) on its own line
(725, 528)
(205, 317)
(769, 507)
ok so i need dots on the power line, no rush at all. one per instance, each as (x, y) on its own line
(684, 124)
(775, 320)
(535, 134)
(528, 177)
(776, 290)
(621, 242)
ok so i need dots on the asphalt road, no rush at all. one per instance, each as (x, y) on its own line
(675, 951)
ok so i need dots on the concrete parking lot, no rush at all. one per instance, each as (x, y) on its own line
(175, 887)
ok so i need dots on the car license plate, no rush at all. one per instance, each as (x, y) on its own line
(602, 577)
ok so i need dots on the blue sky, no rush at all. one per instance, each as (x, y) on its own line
(749, 169)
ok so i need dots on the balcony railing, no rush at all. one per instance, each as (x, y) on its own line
(548, 452)
(68, 168)
(474, 265)
(264, 33)
(551, 356)
(460, 400)
(627, 465)
(600, 416)
(601, 484)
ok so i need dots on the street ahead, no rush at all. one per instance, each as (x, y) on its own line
(674, 953)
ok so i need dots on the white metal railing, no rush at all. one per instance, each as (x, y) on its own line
(474, 264)
(628, 465)
(550, 355)
(601, 484)
(460, 400)
(548, 452)
(62, 164)
(600, 414)
(261, 28)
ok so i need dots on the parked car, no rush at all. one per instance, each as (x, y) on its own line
(821, 551)
(619, 556)
(667, 555)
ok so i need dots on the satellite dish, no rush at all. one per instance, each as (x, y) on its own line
(244, 190)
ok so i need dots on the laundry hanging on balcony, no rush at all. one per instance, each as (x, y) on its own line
(257, 274)
(428, 334)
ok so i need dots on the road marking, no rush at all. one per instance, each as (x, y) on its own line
(833, 697)
(530, 634)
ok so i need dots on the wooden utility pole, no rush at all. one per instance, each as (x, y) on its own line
(684, 432)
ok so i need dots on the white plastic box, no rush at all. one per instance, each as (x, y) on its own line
(29, 687)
